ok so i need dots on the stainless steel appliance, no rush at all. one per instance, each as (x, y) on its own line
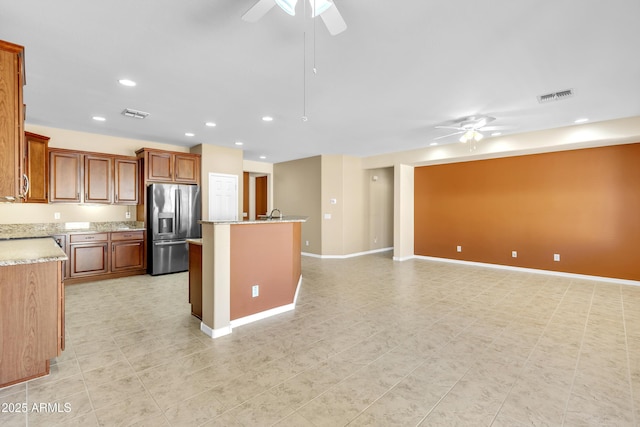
(173, 216)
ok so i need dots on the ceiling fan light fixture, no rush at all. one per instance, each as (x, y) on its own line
(319, 6)
(288, 6)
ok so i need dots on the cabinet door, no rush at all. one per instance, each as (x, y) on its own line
(126, 255)
(11, 121)
(97, 179)
(160, 166)
(187, 168)
(88, 259)
(126, 181)
(64, 177)
(37, 167)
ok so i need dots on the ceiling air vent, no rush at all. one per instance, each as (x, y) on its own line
(134, 113)
(555, 96)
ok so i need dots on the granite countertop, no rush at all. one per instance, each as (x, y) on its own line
(286, 218)
(30, 251)
(21, 231)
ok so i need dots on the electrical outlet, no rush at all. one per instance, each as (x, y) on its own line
(333, 201)
(556, 257)
(459, 248)
(255, 291)
(56, 215)
(514, 254)
(306, 243)
(127, 214)
(375, 240)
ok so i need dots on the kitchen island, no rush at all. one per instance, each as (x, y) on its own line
(31, 308)
(250, 270)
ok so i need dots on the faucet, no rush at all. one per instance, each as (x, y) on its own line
(272, 211)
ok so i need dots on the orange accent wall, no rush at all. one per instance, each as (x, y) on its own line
(267, 255)
(582, 204)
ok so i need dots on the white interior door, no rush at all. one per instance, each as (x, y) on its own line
(223, 197)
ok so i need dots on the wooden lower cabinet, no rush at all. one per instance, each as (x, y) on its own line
(97, 256)
(88, 258)
(31, 320)
(126, 253)
(195, 279)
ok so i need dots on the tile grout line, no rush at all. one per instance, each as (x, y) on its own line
(524, 365)
(575, 370)
(626, 344)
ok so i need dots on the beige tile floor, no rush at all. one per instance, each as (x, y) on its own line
(372, 342)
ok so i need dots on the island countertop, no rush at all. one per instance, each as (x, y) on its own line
(286, 218)
(30, 251)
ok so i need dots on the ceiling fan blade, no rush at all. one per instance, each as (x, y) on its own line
(333, 20)
(258, 10)
(446, 136)
(449, 127)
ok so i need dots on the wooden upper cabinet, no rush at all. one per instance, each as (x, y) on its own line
(64, 176)
(98, 180)
(86, 177)
(159, 166)
(36, 165)
(126, 181)
(11, 121)
(187, 168)
(170, 166)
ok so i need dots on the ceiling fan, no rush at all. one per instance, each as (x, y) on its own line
(469, 127)
(326, 9)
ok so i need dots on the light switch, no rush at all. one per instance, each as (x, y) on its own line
(327, 216)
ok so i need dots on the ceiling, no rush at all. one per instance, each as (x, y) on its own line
(381, 86)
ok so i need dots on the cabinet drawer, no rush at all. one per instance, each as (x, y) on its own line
(127, 235)
(91, 237)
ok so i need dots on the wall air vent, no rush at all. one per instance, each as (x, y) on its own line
(555, 96)
(134, 113)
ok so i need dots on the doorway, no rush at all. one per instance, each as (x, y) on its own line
(261, 195)
(223, 197)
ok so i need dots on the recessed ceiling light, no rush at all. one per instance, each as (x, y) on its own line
(189, 134)
(263, 157)
(127, 82)
(210, 124)
(267, 118)
(496, 134)
(239, 143)
(99, 119)
(433, 144)
(584, 120)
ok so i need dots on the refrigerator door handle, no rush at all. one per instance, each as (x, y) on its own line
(178, 211)
(181, 242)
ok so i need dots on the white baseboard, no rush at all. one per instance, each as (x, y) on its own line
(220, 332)
(528, 270)
(356, 254)
(215, 333)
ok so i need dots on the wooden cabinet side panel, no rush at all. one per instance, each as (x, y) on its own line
(195, 279)
(64, 177)
(28, 320)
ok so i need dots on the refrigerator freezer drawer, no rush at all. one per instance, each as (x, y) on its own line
(169, 256)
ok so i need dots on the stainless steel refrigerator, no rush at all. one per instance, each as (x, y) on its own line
(173, 216)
